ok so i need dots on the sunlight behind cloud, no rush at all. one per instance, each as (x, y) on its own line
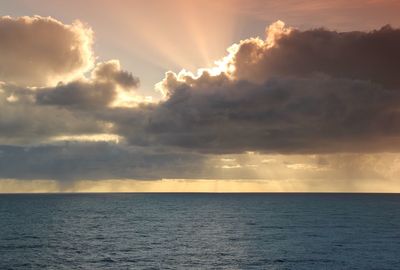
(226, 66)
(205, 28)
(106, 137)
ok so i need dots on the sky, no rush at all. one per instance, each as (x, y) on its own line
(199, 96)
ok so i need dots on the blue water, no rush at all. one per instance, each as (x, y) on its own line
(200, 231)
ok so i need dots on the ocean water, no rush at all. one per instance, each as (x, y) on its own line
(200, 231)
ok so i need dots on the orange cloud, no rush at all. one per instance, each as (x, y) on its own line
(40, 51)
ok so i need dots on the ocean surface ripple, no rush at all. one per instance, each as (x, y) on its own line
(200, 231)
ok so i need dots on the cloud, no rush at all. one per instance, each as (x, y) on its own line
(314, 91)
(40, 51)
(73, 161)
(95, 161)
(32, 115)
(369, 56)
(96, 92)
(296, 92)
(22, 122)
(110, 71)
(283, 115)
(80, 94)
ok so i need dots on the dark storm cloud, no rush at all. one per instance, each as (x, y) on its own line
(95, 161)
(315, 91)
(98, 91)
(30, 115)
(370, 56)
(298, 91)
(23, 121)
(315, 114)
(79, 94)
(38, 51)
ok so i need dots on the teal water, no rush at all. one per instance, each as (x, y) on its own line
(200, 231)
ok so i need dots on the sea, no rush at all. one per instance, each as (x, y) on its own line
(200, 231)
